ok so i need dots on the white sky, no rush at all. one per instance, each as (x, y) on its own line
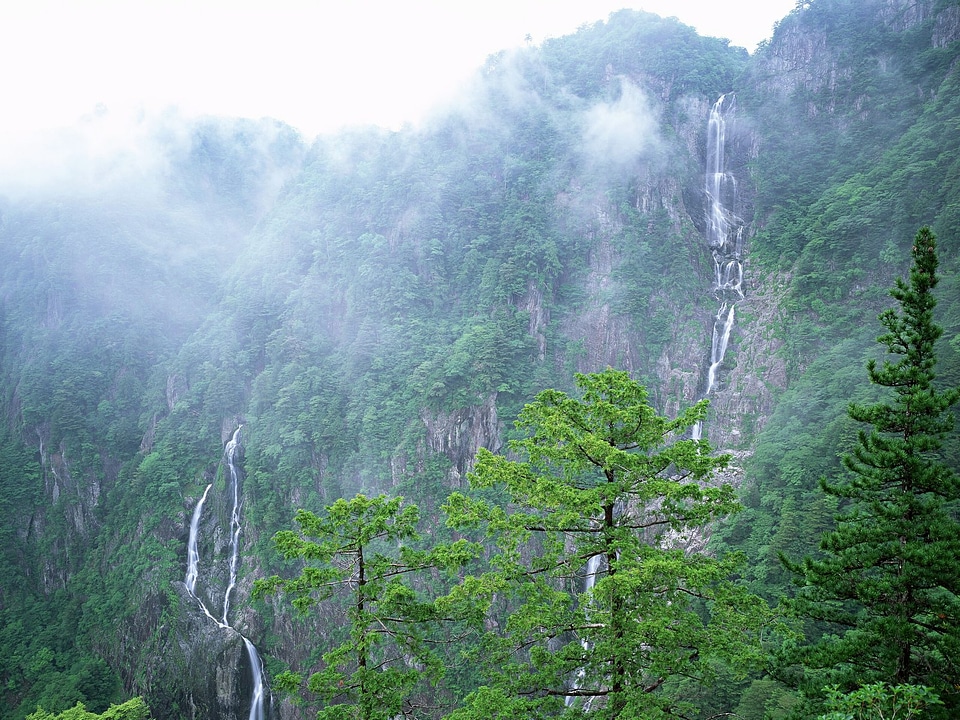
(316, 64)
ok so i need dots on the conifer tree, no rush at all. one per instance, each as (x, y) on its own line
(358, 551)
(591, 604)
(887, 586)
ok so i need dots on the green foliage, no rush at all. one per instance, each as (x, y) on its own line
(765, 700)
(603, 482)
(43, 663)
(135, 709)
(359, 550)
(842, 124)
(641, 44)
(412, 278)
(851, 166)
(879, 701)
(101, 287)
(885, 584)
(785, 512)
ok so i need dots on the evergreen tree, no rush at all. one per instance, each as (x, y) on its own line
(590, 602)
(359, 552)
(887, 585)
(134, 709)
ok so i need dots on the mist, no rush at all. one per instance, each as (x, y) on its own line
(619, 135)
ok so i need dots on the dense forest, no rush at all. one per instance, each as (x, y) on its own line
(623, 387)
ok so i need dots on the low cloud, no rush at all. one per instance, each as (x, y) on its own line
(104, 151)
(620, 136)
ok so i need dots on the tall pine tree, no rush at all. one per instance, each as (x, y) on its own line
(594, 609)
(886, 588)
(359, 552)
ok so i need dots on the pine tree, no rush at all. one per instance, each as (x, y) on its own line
(887, 585)
(591, 603)
(357, 551)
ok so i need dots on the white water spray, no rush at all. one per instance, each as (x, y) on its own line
(721, 336)
(256, 667)
(257, 704)
(193, 556)
(724, 236)
(230, 452)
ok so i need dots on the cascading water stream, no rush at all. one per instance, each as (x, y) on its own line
(256, 667)
(724, 235)
(593, 567)
(257, 704)
(229, 452)
(193, 556)
(718, 348)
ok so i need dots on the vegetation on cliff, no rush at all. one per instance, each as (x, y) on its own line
(371, 306)
(885, 591)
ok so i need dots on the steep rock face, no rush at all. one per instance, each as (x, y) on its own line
(213, 548)
(208, 664)
(171, 650)
(196, 666)
(798, 58)
(680, 366)
(608, 338)
(611, 338)
(755, 369)
(902, 15)
(809, 54)
(457, 435)
(74, 495)
(533, 304)
(666, 220)
(947, 28)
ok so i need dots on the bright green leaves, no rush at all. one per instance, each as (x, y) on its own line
(135, 709)
(357, 553)
(586, 599)
(613, 440)
(335, 541)
(588, 517)
(879, 700)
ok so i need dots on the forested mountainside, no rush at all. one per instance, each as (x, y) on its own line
(366, 312)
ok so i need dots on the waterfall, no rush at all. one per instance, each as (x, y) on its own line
(724, 236)
(193, 557)
(257, 705)
(256, 667)
(718, 348)
(593, 567)
(724, 229)
(229, 453)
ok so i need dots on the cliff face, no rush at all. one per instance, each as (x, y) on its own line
(756, 371)
(193, 668)
(457, 436)
(386, 313)
(811, 51)
(835, 87)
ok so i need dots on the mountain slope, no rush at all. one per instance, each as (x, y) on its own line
(375, 308)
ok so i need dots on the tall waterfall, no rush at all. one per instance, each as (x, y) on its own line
(193, 556)
(593, 569)
(257, 703)
(229, 453)
(724, 235)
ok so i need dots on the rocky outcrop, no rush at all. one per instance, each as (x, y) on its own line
(458, 434)
(73, 493)
(947, 27)
(755, 371)
(608, 340)
(193, 664)
(808, 52)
